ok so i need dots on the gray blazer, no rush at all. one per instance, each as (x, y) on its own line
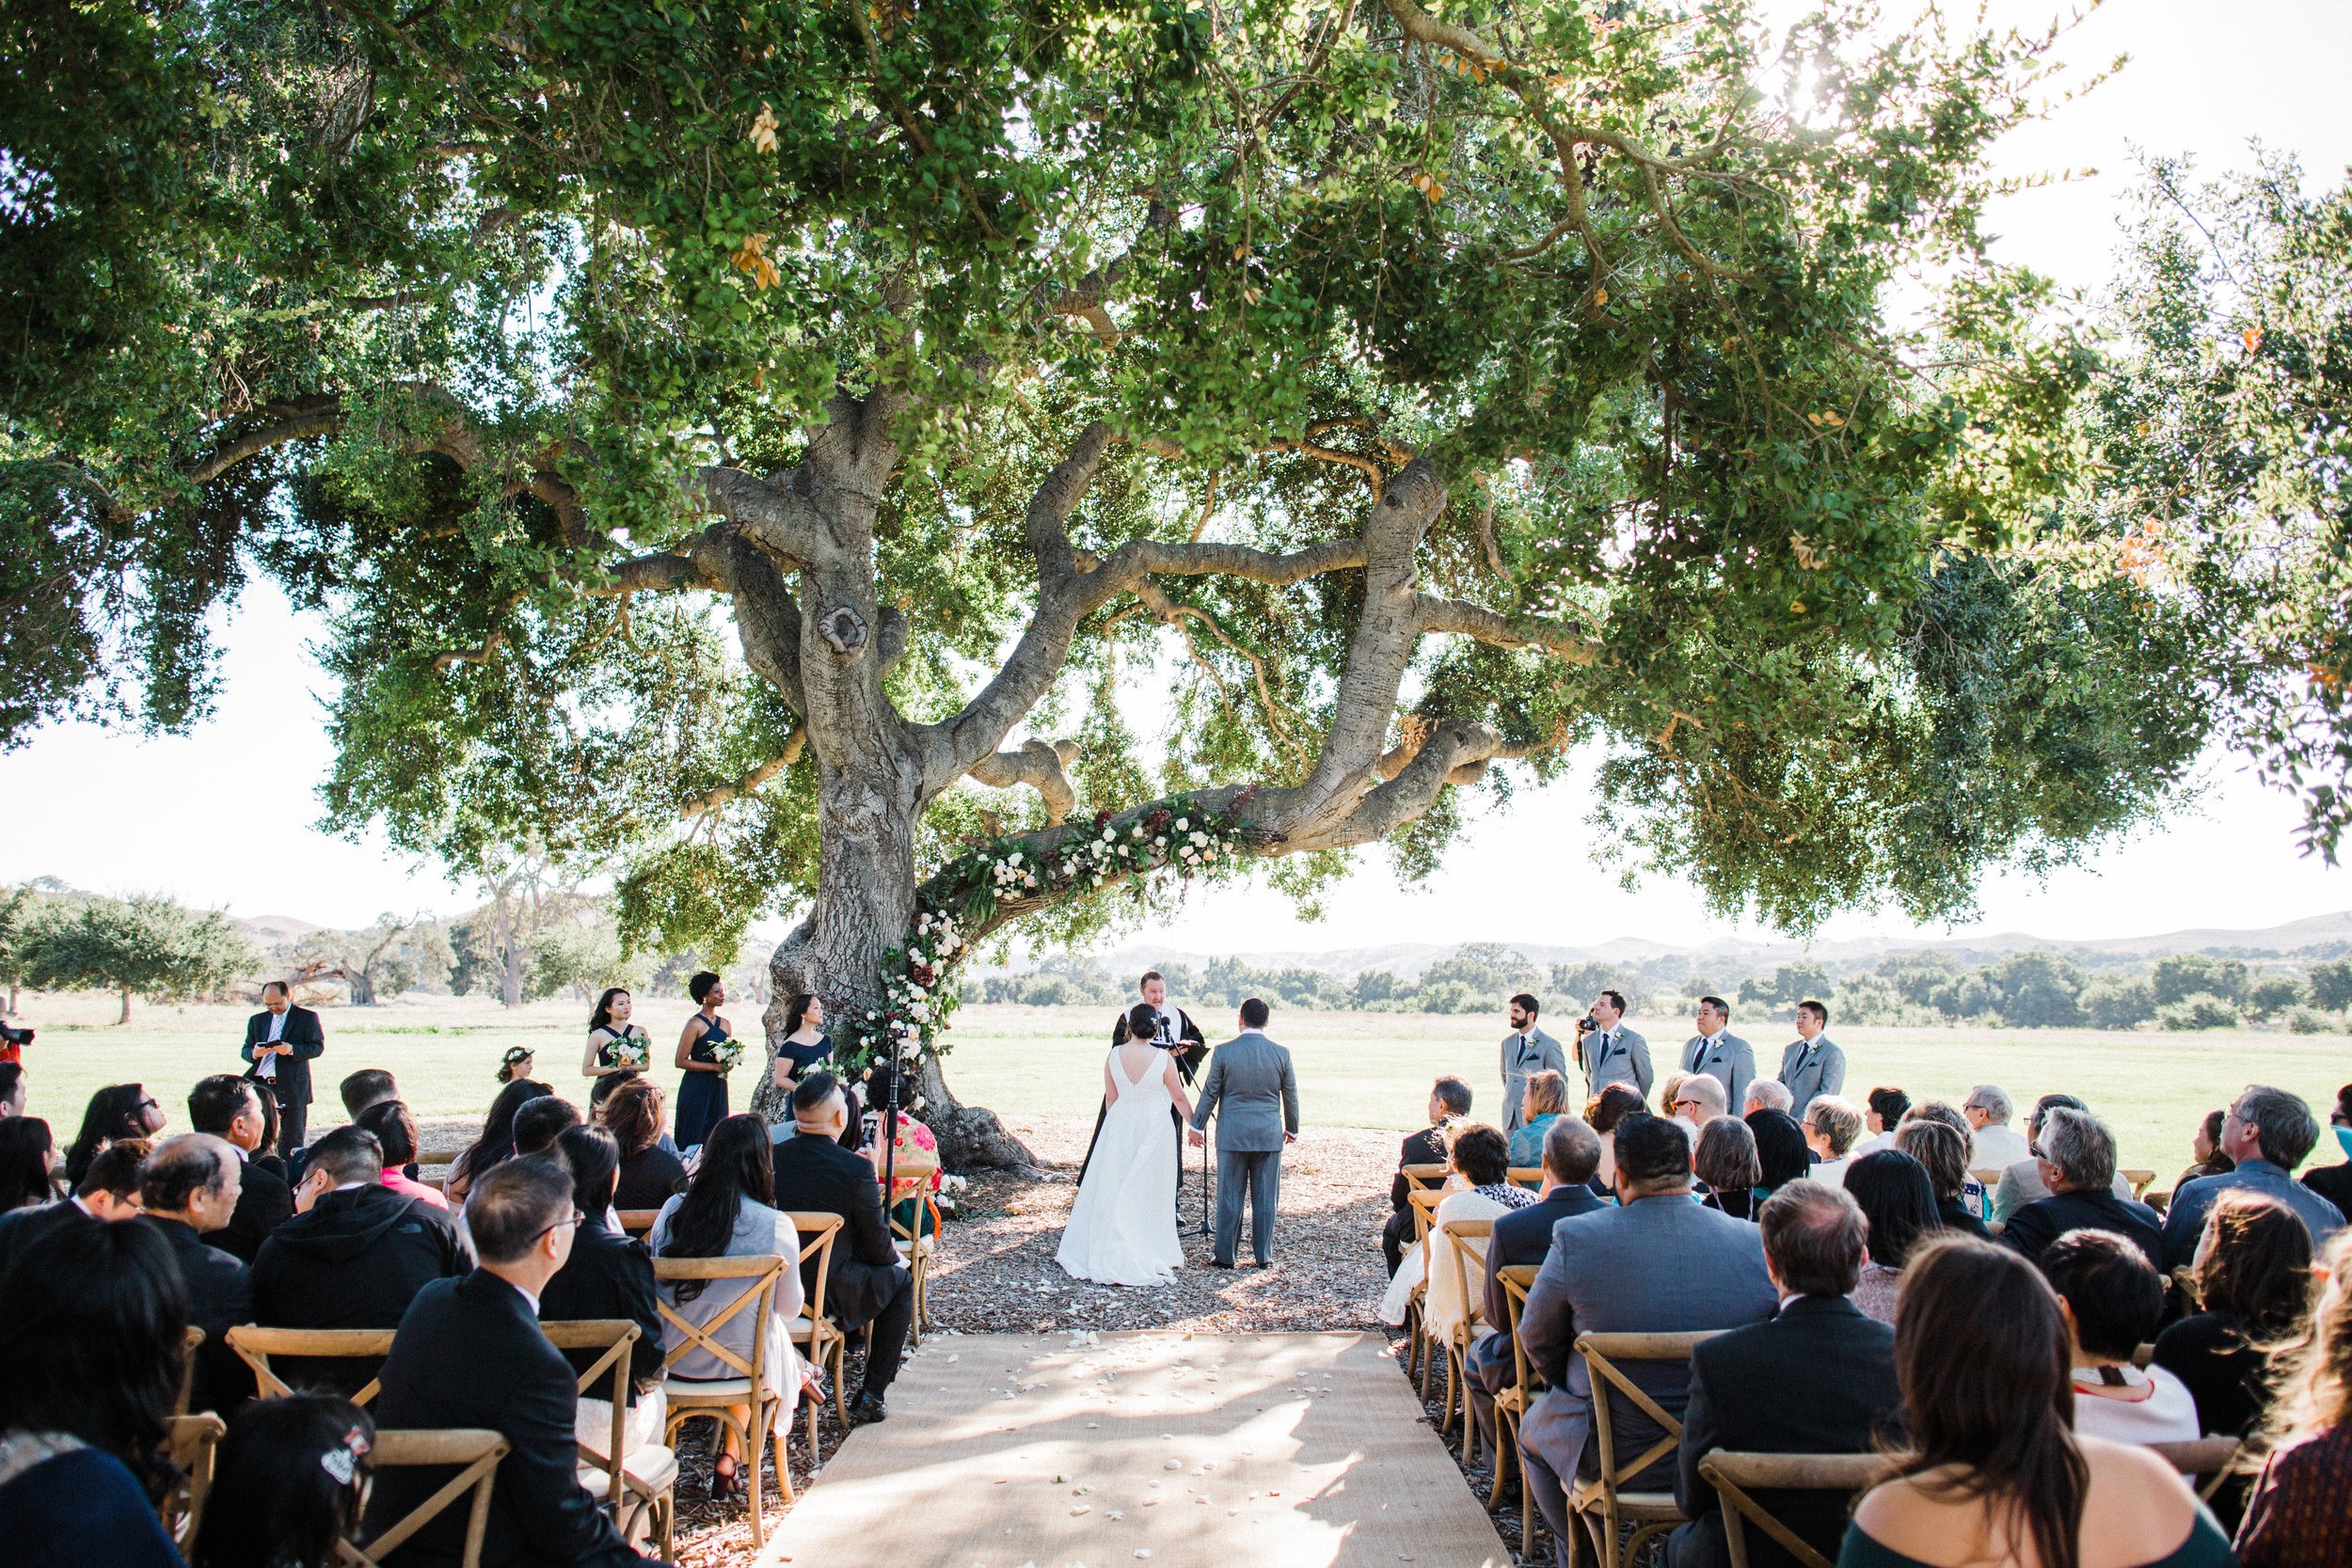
(1253, 1093)
(1807, 1080)
(1625, 1061)
(1604, 1277)
(1732, 1060)
(1522, 1061)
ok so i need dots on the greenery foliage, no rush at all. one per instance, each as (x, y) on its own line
(143, 946)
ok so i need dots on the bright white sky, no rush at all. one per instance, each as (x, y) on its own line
(222, 817)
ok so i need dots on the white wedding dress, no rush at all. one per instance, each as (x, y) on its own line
(1123, 1229)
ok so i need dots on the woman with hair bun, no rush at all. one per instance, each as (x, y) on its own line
(701, 1099)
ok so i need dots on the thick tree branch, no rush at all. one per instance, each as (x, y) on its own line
(1562, 639)
(1039, 765)
(713, 798)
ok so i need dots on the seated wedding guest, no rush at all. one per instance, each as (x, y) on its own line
(730, 1209)
(369, 1086)
(1695, 1104)
(2334, 1182)
(289, 1482)
(1670, 1090)
(2114, 1299)
(868, 1283)
(2267, 1133)
(354, 1255)
(608, 1276)
(605, 1088)
(1726, 1167)
(1521, 1238)
(1603, 1275)
(1781, 1155)
(497, 1142)
(190, 1194)
(2253, 1270)
(2021, 1182)
(395, 1127)
(1883, 1111)
(1991, 1471)
(1937, 1111)
(12, 1089)
(2296, 1518)
(914, 1142)
(1449, 1101)
(470, 1354)
(1606, 1109)
(1480, 1159)
(649, 1173)
(109, 1190)
(2077, 1161)
(2205, 1143)
(1832, 1128)
(1766, 1094)
(28, 1164)
(538, 1122)
(1740, 1381)
(116, 1112)
(1898, 1202)
(90, 1328)
(1547, 1096)
(1943, 1154)
(1994, 1144)
(231, 1108)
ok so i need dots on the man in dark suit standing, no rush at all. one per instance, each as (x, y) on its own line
(470, 1354)
(1816, 1378)
(1716, 1051)
(1571, 1155)
(226, 1106)
(191, 1190)
(281, 1041)
(868, 1282)
(1449, 1101)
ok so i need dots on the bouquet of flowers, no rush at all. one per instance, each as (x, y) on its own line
(727, 1052)
(632, 1050)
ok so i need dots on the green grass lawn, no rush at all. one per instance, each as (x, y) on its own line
(1356, 1070)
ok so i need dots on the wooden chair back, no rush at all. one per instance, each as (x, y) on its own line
(818, 1230)
(1466, 1254)
(257, 1345)
(2212, 1458)
(2139, 1179)
(761, 1270)
(1517, 1281)
(474, 1452)
(190, 1342)
(191, 1442)
(1736, 1475)
(910, 1179)
(637, 1222)
(1528, 1176)
(615, 1337)
(1602, 1352)
(1420, 1176)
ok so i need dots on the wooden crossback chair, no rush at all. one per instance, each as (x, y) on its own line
(191, 1442)
(2208, 1462)
(642, 1483)
(2141, 1180)
(190, 1342)
(1735, 1475)
(1617, 1519)
(816, 1336)
(476, 1452)
(257, 1345)
(1511, 1404)
(690, 1397)
(1422, 1350)
(912, 1178)
(1466, 1255)
(1530, 1177)
(2161, 1202)
(637, 1222)
(1418, 1178)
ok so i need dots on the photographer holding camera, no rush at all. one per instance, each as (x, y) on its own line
(1610, 1053)
(12, 1043)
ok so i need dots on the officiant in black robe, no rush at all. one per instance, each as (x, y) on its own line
(1178, 1033)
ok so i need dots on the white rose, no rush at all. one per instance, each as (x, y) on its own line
(1014, 858)
(1160, 842)
(1182, 822)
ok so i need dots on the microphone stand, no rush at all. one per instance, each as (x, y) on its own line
(890, 1143)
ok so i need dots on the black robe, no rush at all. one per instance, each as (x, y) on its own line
(1191, 1049)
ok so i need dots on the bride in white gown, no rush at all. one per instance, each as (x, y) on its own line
(1123, 1229)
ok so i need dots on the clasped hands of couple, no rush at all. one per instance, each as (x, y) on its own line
(1199, 1139)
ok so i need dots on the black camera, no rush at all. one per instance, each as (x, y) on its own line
(15, 1036)
(1586, 1024)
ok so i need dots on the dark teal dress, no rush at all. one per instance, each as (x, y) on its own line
(702, 1100)
(2206, 1547)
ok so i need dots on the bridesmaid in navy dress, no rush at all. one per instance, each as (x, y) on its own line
(701, 1099)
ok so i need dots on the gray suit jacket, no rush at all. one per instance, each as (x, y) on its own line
(1626, 1061)
(1824, 1074)
(1732, 1060)
(1521, 1062)
(1608, 1272)
(1253, 1094)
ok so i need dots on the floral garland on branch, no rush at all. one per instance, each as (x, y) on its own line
(972, 891)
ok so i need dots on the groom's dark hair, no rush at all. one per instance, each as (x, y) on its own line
(1527, 1004)
(1254, 1013)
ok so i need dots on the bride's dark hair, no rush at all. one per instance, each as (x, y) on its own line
(1143, 1022)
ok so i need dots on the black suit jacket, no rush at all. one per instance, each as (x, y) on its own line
(470, 1354)
(608, 1276)
(2033, 1228)
(1524, 1236)
(22, 1227)
(818, 1174)
(220, 1297)
(308, 1039)
(1425, 1148)
(264, 1202)
(1819, 1378)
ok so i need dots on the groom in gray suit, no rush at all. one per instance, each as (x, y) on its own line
(1250, 1076)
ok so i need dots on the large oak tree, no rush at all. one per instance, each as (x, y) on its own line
(764, 442)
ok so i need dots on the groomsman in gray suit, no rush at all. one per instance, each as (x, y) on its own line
(1255, 1096)
(1813, 1064)
(1715, 1050)
(1611, 1052)
(1526, 1051)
